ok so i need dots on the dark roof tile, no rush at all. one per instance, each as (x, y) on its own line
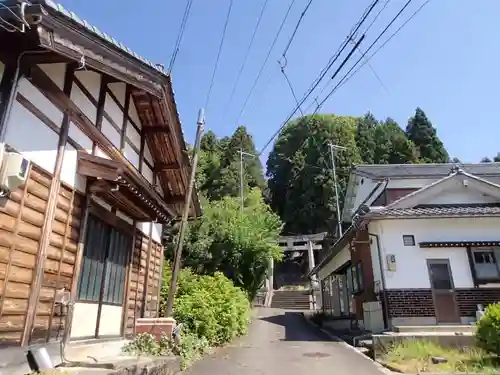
(440, 210)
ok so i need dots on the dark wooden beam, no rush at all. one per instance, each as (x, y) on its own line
(160, 167)
(49, 212)
(100, 106)
(125, 121)
(155, 130)
(7, 92)
(40, 80)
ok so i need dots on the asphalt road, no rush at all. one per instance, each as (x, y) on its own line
(282, 343)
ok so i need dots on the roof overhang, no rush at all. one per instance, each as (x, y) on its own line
(132, 195)
(56, 30)
(335, 249)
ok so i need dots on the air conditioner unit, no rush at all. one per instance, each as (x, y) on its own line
(13, 171)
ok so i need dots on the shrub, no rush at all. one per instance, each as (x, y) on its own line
(488, 330)
(210, 307)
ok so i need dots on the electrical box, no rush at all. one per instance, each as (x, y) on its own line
(14, 171)
(391, 262)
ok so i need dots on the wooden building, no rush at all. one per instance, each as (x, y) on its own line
(109, 166)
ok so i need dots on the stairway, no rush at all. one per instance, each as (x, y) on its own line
(291, 300)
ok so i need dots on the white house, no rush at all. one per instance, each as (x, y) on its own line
(104, 164)
(422, 241)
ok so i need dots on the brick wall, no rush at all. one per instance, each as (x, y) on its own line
(360, 253)
(468, 299)
(410, 303)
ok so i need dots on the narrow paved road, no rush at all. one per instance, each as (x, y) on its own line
(282, 343)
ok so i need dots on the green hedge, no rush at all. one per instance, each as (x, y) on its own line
(488, 330)
(210, 307)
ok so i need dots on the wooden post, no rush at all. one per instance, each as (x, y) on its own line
(49, 214)
(128, 278)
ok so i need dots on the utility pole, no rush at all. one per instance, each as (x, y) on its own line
(332, 155)
(242, 153)
(187, 204)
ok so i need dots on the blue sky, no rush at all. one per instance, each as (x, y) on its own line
(443, 61)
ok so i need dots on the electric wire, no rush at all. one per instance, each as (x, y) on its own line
(291, 89)
(351, 40)
(366, 51)
(296, 28)
(265, 61)
(180, 35)
(245, 59)
(325, 70)
(218, 54)
(347, 78)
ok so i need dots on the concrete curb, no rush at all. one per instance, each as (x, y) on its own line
(379, 366)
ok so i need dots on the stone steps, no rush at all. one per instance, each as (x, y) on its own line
(291, 300)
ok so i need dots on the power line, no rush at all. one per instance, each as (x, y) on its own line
(345, 79)
(219, 53)
(180, 35)
(296, 28)
(247, 53)
(265, 60)
(291, 89)
(363, 55)
(325, 70)
(351, 39)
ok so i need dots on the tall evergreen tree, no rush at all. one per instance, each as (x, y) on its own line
(365, 128)
(219, 170)
(392, 146)
(421, 132)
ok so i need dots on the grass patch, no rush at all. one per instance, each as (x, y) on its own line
(415, 356)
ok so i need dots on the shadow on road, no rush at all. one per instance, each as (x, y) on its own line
(296, 329)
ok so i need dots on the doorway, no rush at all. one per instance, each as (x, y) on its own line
(101, 285)
(443, 291)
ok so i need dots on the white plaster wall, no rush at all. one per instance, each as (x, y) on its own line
(132, 156)
(110, 132)
(30, 136)
(82, 102)
(84, 320)
(56, 72)
(340, 259)
(157, 230)
(79, 137)
(374, 227)
(134, 137)
(91, 81)
(69, 167)
(411, 266)
(411, 183)
(147, 173)
(111, 320)
(113, 111)
(457, 193)
(118, 89)
(148, 156)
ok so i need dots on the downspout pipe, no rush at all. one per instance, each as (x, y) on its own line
(385, 306)
(4, 117)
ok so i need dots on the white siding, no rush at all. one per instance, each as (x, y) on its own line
(411, 266)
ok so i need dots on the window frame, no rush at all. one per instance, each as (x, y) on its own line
(478, 280)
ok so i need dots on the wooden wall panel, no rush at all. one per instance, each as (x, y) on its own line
(59, 265)
(138, 304)
(21, 218)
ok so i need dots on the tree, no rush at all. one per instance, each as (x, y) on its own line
(455, 160)
(421, 132)
(365, 131)
(392, 146)
(219, 171)
(495, 159)
(238, 244)
(300, 178)
(485, 160)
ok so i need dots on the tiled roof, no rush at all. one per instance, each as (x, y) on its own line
(440, 210)
(424, 170)
(94, 30)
